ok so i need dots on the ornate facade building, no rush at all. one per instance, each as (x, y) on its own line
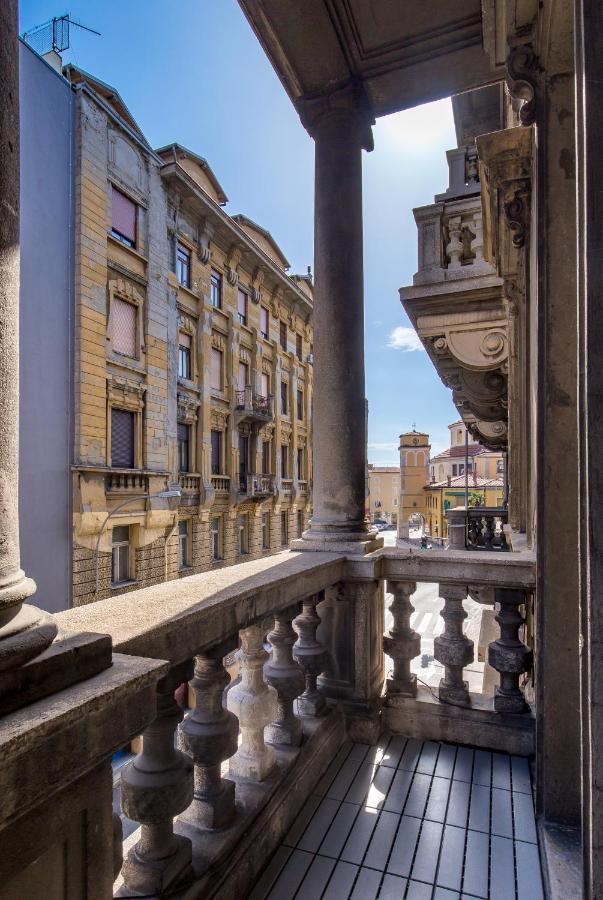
(193, 351)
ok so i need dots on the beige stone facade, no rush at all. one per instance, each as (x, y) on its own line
(193, 370)
(384, 493)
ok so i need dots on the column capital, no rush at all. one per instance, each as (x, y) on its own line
(348, 104)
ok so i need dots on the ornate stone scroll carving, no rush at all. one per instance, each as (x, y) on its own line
(522, 70)
(232, 265)
(517, 212)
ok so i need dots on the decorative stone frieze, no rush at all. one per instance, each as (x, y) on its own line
(188, 408)
(126, 393)
(219, 418)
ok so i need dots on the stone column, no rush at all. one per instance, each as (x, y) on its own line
(285, 675)
(209, 735)
(401, 642)
(341, 129)
(156, 786)
(254, 703)
(25, 631)
(452, 648)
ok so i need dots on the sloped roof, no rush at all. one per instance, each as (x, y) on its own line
(175, 149)
(106, 92)
(458, 481)
(246, 222)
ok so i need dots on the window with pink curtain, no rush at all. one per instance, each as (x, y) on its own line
(123, 218)
(216, 369)
(123, 327)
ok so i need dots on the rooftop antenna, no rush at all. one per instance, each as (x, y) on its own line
(53, 35)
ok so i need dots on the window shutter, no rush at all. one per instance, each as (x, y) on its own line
(123, 212)
(216, 369)
(184, 340)
(242, 303)
(122, 438)
(242, 377)
(123, 336)
(265, 385)
(264, 320)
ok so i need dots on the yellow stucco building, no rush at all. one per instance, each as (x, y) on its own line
(384, 493)
(193, 365)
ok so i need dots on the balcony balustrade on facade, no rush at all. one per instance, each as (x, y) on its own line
(251, 405)
(257, 486)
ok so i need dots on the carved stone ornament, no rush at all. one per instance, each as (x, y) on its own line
(218, 418)
(522, 70)
(232, 264)
(256, 285)
(517, 213)
(125, 392)
(206, 233)
(276, 300)
(188, 408)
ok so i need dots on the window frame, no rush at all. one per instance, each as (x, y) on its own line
(121, 549)
(183, 544)
(285, 460)
(216, 533)
(215, 288)
(183, 265)
(284, 528)
(132, 417)
(284, 398)
(187, 467)
(132, 243)
(299, 346)
(185, 353)
(219, 433)
(266, 531)
(300, 405)
(220, 356)
(243, 527)
(243, 317)
(266, 311)
(115, 301)
(282, 335)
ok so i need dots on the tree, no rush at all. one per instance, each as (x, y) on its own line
(477, 498)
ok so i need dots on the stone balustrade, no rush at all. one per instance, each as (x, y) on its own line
(214, 788)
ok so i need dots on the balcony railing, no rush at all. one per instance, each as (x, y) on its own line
(250, 405)
(126, 481)
(189, 482)
(485, 528)
(287, 484)
(214, 789)
(221, 483)
(257, 486)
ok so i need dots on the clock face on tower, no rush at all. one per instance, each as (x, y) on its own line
(415, 440)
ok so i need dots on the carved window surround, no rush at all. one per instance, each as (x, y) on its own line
(125, 393)
(123, 289)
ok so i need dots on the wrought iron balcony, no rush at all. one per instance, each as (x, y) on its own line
(251, 406)
(257, 487)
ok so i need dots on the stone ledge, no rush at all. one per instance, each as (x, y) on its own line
(52, 742)
(561, 857)
(426, 718)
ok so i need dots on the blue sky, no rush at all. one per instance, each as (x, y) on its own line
(192, 71)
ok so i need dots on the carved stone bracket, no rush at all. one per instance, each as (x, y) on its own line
(517, 211)
(232, 264)
(206, 233)
(256, 285)
(522, 71)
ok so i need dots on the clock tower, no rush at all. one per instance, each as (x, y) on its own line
(414, 474)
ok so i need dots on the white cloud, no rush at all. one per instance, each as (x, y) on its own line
(404, 338)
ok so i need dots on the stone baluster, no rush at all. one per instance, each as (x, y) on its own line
(477, 243)
(255, 704)
(508, 655)
(209, 734)
(312, 657)
(401, 642)
(287, 678)
(156, 786)
(474, 532)
(454, 248)
(452, 648)
(488, 532)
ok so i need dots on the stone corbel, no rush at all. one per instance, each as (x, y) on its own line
(522, 72)
(481, 346)
(276, 300)
(517, 211)
(232, 264)
(188, 409)
(256, 285)
(206, 233)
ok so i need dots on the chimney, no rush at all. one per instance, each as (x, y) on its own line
(54, 60)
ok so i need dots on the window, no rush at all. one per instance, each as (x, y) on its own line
(216, 369)
(120, 554)
(123, 327)
(242, 306)
(461, 468)
(300, 523)
(264, 322)
(184, 434)
(284, 528)
(300, 404)
(123, 218)
(265, 531)
(283, 335)
(122, 438)
(265, 384)
(184, 355)
(183, 541)
(216, 289)
(216, 452)
(284, 461)
(298, 346)
(243, 378)
(265, 457)
(183, 265)
(300, 463)
(216, 538)
(395, 501)
(454, 469)
(500, 466)
(284, 389)
(243, 535)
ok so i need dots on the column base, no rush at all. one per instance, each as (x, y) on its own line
(152, 877)
(212, 812)
(356, 543)
(363, 721)
(457, 695)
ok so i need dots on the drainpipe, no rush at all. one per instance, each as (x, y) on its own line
(167, 539)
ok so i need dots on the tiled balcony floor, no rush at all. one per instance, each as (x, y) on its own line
(413, 820)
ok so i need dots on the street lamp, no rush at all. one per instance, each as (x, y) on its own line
(172, 495)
